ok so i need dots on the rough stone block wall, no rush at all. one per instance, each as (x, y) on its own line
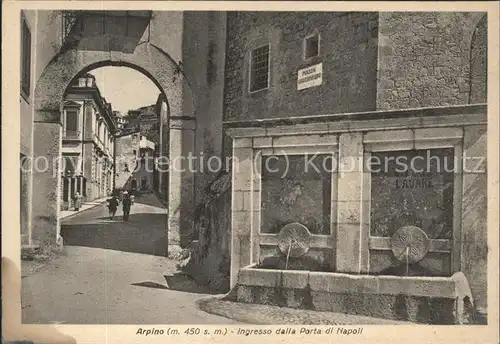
(479, 63)
(424, 59)
(348, 50)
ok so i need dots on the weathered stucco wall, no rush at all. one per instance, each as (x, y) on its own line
(203, 63)
(26, 99)
(348, 50)
(166, 32)
(26, 140)
(48, 38)
(45, 27)
(424, 59)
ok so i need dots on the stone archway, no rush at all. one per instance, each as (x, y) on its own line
(49, 94)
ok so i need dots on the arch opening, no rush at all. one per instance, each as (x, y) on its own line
(119, 64)
(104, 106)
(49, 103)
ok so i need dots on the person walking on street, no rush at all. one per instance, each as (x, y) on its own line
(112, 206)
(132, 196)
(127, 203)
(77, 198)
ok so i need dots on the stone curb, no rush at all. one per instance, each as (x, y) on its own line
(81, 211)
(211, 304)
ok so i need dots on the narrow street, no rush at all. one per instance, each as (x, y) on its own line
(114, 272)
(145, 232)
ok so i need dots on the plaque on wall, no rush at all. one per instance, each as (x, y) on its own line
(310, 76)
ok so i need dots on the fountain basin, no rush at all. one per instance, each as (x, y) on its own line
(433, 300)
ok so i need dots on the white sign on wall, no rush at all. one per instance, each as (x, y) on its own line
(310, 76)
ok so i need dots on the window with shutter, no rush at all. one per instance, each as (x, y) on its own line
(311, 47)
(71, 123)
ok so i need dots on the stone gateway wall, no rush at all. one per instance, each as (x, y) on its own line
(47, 131)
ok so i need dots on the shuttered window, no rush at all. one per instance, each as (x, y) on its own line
(71, 123)
(311, 47)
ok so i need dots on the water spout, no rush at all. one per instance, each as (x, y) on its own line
(407, 258)
(288, 253)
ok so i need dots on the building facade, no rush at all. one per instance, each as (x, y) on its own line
(87, 143)
(146, 118)
(143, 175)
(121, 122)
(287, 72)
(127, 153)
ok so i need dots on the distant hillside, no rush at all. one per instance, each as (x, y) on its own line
(146, 118)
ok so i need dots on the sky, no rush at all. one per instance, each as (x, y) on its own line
(125, 88)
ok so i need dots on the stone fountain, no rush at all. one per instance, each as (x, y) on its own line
(315, 226)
